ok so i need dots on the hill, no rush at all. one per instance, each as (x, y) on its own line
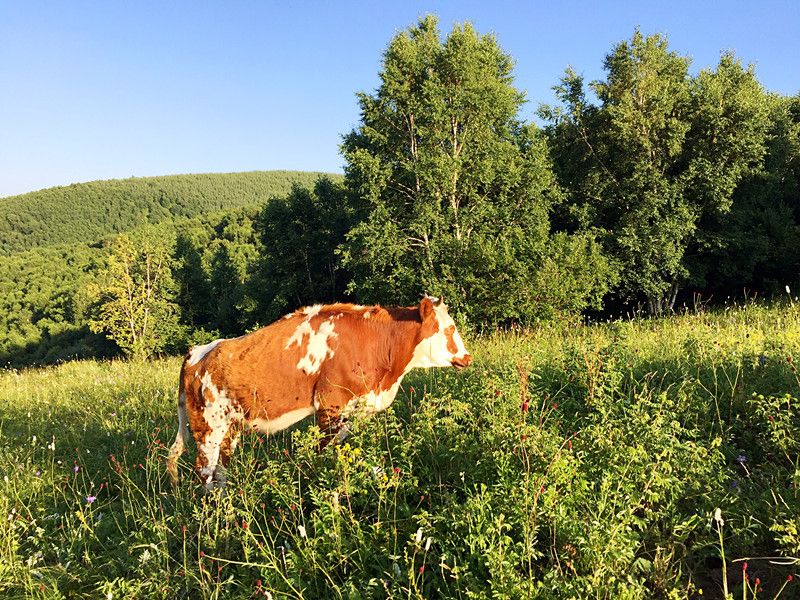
(86, 212)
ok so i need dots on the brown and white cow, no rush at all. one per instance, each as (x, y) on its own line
(321, 360)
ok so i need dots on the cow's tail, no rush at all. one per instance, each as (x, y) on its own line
(183, 428)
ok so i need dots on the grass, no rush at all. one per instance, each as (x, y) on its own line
(569, 461)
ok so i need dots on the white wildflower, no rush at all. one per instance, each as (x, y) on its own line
(302, 531)
(419, 535)
(718, 517)
(428, 543)
(788, 291)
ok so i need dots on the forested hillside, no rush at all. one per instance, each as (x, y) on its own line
(85, 212)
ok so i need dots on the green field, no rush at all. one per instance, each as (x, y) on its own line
(570, 461)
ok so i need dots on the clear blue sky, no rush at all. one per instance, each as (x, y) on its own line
(98, 90)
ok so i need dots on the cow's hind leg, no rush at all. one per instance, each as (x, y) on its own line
(213, 453)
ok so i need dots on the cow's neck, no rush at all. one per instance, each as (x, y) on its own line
(403, 338)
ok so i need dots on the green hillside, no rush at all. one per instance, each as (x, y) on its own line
(86, 212)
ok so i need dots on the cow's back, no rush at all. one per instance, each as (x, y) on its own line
(257, 372)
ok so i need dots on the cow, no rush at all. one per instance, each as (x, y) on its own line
(324, 360)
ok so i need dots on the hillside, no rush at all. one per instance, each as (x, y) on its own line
(86, 212)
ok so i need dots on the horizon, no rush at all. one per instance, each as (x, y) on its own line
(113, 92)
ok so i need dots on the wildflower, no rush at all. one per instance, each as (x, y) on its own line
(741, 459)
(396, 470)
(744, 566)
(418, 537)
(76, 468)
(525, 406)
(734, 485)
(244, 524)
(718, 517)
(90, 499)
(421, 569)
(411, 389)
(758, 581)
(302, 531)
(788, 291)
(428, 543)
(789, 577)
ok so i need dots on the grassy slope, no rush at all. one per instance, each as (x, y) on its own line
(605, 487)
(86, 212)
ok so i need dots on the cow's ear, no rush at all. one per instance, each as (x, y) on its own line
(425, 308)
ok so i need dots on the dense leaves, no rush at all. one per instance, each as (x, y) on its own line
(454, 190)
(661, 154)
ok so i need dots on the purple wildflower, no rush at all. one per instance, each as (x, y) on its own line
(90, 499)
(76, 468)
(741, 459)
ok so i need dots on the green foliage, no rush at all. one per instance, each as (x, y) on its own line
(566, 462)
(133, 296)
(453, 191)
(85, 212)
(661, 152)
(299, 235)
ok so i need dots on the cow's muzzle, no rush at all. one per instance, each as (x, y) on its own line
(461, 362)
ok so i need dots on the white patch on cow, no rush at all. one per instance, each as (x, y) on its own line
(318, 348)
(432, 351)
(367, 314)
(280, 423)
(311, 311)
(297, 337)
(197, 353)
(218, 415)
(373, 401)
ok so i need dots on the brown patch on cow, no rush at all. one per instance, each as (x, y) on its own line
(452, 347)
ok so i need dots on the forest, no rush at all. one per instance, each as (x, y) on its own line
(653, 189)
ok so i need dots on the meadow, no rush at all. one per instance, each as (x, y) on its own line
(643, 458)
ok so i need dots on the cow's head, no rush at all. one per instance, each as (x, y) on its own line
(441, 345)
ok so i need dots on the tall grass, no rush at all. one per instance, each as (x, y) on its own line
(568, 461)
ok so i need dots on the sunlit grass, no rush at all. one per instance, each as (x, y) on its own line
(568, 461)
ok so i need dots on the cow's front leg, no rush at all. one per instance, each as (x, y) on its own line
(333, 425)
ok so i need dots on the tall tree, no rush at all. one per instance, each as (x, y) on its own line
(453, 190)
(659, 153)
(134, 294)
(299, 237)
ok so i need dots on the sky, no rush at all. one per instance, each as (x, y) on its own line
(113, 89)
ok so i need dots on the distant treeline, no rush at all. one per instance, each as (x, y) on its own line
(640, 191)
(85, 212)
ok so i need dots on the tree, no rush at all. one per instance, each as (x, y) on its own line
(451, 189)
(133, 297)
(661, 152)
(299, 237)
